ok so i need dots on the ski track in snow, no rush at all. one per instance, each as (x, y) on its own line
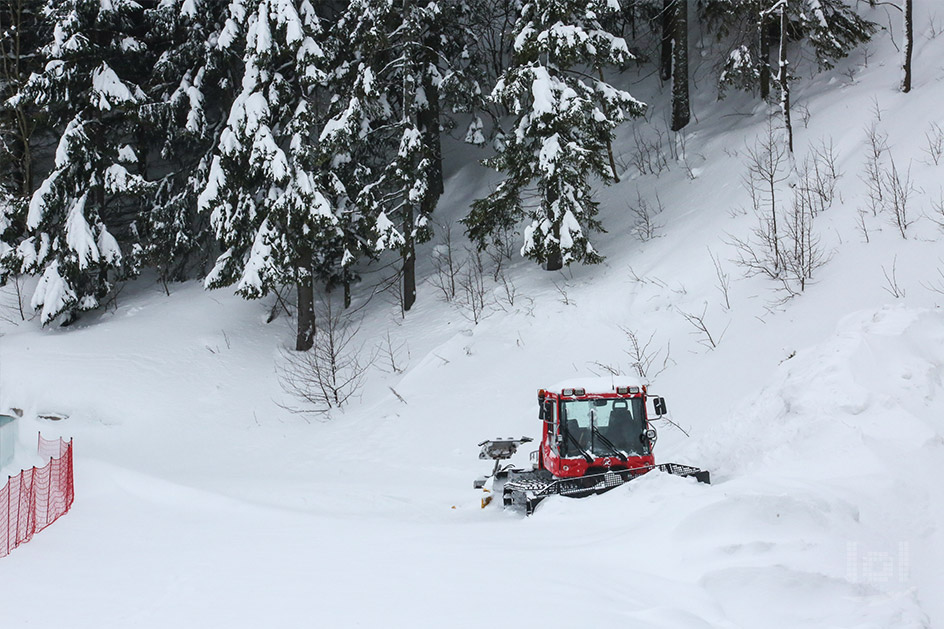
(200, 502)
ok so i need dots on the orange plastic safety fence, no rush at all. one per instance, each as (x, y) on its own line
(37, 497)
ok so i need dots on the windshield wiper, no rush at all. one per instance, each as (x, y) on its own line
(576, 443)
(619, 453)
(606, 442)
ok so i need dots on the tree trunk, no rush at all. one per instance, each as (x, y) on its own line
(775, 236)
(609, 141)
(908, 48)
(305, 335)
(681, 109)
(784, 79)
(429, 125)
(631, 11)
(763, 53)
(20, 155)
(408, 249)
(665, 58)
(553, 258)
(100, 197)
(428, 119)
(408, 255)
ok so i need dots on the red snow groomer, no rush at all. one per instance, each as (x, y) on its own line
(595, 438)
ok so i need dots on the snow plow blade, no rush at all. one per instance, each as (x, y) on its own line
(529, 488)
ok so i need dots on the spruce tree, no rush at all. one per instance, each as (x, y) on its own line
(87, 202)
(564, 117)
(349, 154)
(828, 29)
(21, 33)
(21, 29)
(264, 193)
(832, 27)
(12, 218)
(392, 65)
(412, 181)
(190, 89)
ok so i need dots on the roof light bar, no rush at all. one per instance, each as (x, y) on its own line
(627, 390)
(573, 392)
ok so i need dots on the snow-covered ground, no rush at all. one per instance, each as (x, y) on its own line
(202, 502)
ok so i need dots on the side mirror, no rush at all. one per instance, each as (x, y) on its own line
(658, 404)
(547, 411)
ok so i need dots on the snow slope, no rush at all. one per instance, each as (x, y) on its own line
(201, 501)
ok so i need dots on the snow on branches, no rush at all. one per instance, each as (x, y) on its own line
(263, 192)
(564, 119)
(75, 209)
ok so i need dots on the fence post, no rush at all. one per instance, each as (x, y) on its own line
(31, 514)
(49, 493)
(9, 490)
(71, 474)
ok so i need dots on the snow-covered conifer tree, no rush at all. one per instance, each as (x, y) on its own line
(190, 89)
(76, 215)
(21, 32)
(405, 190)
(564, 117)
(833, 27)
(12, 211)
(829, 29)
(393, 59)
(264, 191)
(349, 159)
